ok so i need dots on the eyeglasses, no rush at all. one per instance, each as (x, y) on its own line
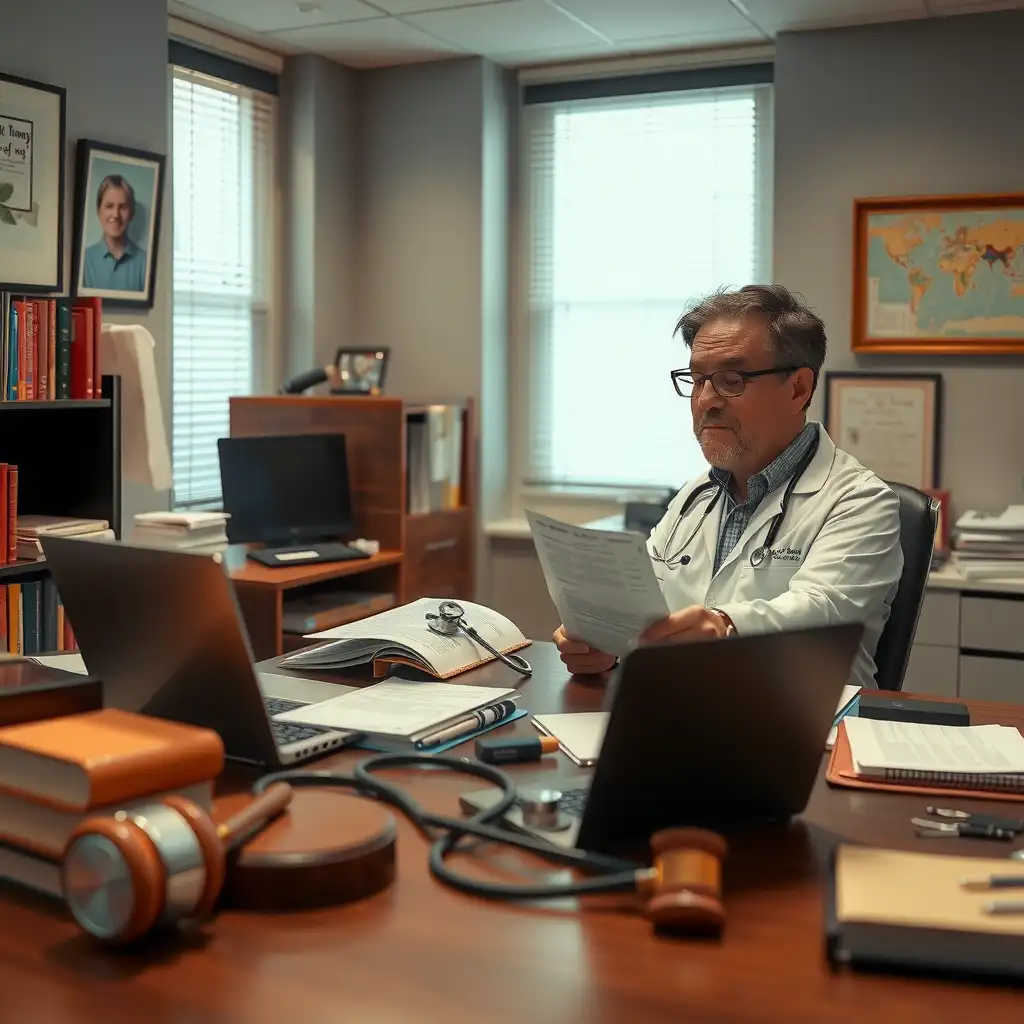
(727, 383)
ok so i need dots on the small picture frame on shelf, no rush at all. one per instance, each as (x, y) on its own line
(118, 198)
(889, 422)
(361, 371)
(942, 531)
(32, 143)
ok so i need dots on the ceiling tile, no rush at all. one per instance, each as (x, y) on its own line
(401, 7)
(781, 15)
(653, 19)
(272, 15)
(382, 41)
(230, 28)
(514, 26)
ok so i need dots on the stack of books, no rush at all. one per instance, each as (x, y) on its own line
(198, 532)
(56, 772)
(30, 531)
(990, 546)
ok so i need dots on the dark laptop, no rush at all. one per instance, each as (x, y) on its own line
(711, 733)
(162, 630)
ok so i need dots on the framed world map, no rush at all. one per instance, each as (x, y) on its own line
(939, 275)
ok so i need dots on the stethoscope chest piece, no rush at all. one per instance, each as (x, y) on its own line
(758, 556)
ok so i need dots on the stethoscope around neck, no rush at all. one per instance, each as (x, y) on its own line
(760, 553)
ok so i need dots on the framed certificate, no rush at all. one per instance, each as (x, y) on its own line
(889, 422)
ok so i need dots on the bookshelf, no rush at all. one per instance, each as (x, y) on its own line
(68, 454)
(426, 553)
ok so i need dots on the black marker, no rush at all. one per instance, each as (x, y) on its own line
(515, 750)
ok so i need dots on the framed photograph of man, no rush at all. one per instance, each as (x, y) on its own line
(361, 371)
(118, 197)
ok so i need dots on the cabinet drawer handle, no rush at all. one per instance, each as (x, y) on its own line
(440, 545)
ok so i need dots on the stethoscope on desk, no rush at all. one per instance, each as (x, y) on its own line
(760, 553)
(450, 620)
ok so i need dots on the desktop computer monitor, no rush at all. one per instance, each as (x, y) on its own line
(287, 489)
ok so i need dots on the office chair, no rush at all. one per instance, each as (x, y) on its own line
(919, 517)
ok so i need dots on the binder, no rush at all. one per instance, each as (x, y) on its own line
(944, 942)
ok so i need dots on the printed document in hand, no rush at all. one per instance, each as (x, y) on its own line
(404, 708)
(401, 635)
(602, 582)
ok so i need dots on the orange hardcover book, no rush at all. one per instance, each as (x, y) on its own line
(3, 619)
(42, 321)
(840, 772)
(77, 762)
(11, 509)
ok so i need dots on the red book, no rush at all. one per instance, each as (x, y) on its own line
(92, 308)
(12, 514)
(19, 307)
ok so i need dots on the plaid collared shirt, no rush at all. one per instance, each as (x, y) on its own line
(735, 517)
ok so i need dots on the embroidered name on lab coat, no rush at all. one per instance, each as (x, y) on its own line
(787, 554)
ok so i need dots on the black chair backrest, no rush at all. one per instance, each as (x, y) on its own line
(919, 516)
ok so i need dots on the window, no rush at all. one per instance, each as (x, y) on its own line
(223, 216)
(637, 205)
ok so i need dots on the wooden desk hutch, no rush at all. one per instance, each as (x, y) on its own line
(423, 553)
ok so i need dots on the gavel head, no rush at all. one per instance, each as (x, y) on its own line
(126, 873)
(683, 888)
(156, 864)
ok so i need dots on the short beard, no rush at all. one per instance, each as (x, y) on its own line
(723, 454)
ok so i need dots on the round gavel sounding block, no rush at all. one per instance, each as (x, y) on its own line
(159, 863)
(328, 849)
(683, 888)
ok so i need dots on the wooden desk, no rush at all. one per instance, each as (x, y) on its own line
(421, 953)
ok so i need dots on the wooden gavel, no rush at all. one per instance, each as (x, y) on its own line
(683, 887)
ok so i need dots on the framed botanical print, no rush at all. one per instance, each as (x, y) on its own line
(32, 144)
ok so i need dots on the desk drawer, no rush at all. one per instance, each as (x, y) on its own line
(438, 555)
(939, 624)
(996, 679)
(992, 624)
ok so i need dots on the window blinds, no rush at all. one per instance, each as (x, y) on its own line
(223, 151)
(637, 206)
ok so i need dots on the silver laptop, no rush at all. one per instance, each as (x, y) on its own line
(162, 630)
(712, 733)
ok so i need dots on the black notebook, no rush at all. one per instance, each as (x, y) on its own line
(895, 911)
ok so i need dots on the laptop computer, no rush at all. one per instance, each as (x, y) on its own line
(162, 630)
(713, 734)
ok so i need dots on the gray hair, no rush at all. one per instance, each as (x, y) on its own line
(796, 334)
(116, 181)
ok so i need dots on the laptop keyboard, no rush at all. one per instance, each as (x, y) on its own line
(288, 732)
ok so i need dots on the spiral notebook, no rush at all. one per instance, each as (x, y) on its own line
(987, 758)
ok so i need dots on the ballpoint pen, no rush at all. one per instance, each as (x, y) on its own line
(993, 882)
(1004, 907)
(465, 726)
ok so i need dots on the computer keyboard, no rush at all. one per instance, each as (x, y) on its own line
(288, 732)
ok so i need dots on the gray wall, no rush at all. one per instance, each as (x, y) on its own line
(317, 117)
(907, 109)
(123, 101)
(432, 188)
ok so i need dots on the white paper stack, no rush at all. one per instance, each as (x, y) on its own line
(198, 532)
(991, 546)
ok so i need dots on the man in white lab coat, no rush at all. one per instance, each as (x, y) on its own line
(785, 530)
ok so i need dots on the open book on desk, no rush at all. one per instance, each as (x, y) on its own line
(401, 636)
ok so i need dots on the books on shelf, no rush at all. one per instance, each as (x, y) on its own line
(32, 619)
(49, 348)
(401, 636)
(199, 532)
(434, 459)
(9, 486)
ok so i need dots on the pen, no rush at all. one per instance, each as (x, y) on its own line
(1004, 907)
(995, 882)
(464, 726)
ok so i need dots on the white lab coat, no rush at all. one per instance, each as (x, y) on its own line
(837, 556)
